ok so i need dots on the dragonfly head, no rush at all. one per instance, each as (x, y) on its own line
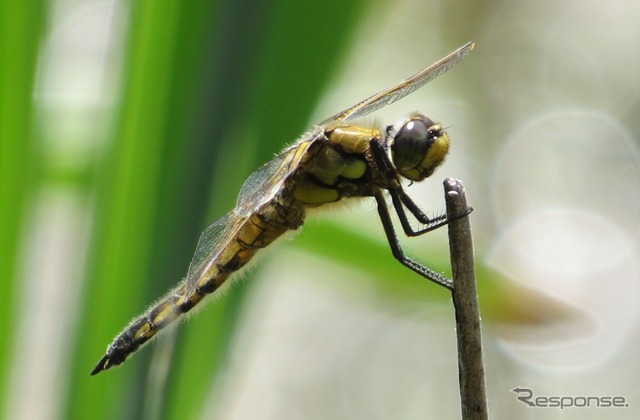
(418, 146)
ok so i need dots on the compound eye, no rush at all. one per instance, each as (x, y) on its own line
(411, 143)
(419, 147)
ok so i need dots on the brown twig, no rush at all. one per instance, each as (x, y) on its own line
(465, 301)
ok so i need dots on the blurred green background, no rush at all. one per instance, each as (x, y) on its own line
(127, 127)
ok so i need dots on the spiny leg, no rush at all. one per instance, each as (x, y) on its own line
(400, 200)
(396, 249)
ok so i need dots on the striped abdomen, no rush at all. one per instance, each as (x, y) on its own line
(252, 234)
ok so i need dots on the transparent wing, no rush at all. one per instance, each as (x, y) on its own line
(258, 189)
(399, 91)
(212, 241)
(262, 185)
(214, 238)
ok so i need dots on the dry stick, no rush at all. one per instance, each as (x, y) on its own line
(473, 392)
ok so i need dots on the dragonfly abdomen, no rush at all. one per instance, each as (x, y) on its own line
(257, 231)
(147, 326)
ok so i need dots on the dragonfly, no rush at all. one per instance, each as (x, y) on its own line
(333, 161)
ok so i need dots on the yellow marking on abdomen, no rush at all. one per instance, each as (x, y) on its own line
(253, 235)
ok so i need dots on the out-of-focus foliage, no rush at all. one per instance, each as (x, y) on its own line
(127, 127)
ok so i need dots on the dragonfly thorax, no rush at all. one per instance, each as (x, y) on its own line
(418, 147)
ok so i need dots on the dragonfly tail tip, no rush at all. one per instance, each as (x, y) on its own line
(103, 364)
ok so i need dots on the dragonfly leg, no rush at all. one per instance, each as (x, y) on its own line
(401, 200)
(396, 249)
